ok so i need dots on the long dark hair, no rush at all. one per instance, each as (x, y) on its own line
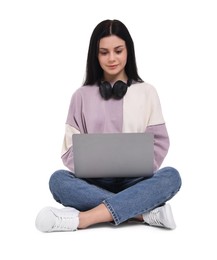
(94, 72)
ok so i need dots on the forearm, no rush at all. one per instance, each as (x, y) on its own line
(161, 143)
(67, 148)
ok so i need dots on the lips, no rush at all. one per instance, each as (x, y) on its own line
(112, 66)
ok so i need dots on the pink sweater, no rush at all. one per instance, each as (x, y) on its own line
(139, 111)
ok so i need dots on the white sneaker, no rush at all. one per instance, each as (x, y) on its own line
(161, 217)
(51, 219)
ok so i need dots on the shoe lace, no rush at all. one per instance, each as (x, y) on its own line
(153, 218)
(63, 223)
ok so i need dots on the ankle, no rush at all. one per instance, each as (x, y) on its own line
(94, 216)
(139, 218)
(84, 220)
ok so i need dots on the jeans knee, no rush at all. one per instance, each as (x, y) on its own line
(169, 179)
(173, 177)
(56, 179)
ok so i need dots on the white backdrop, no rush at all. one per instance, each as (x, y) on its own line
(43, 48)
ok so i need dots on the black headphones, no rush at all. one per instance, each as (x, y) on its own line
(118, 90)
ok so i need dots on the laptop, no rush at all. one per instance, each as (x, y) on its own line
(113, 155)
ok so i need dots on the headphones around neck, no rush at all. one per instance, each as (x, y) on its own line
(118, 90)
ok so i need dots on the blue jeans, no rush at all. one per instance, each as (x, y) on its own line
(125, 198)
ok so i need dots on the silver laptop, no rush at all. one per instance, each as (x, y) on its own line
(113, 155)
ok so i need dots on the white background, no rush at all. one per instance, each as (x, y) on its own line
(43, 48)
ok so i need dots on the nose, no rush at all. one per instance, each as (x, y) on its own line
(111, 57)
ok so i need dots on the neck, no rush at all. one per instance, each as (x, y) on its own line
(112, 79)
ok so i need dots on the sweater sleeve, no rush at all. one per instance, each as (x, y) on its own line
(73, 126)
(161, 143)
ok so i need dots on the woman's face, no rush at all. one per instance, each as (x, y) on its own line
(112, 58)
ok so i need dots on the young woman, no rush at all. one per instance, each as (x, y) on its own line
(113, 99)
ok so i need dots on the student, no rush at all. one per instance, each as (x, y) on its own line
(113, 99)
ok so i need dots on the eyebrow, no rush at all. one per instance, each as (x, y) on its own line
(120, 46)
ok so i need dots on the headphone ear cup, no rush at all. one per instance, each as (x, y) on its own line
(119, 89)
(105, 90)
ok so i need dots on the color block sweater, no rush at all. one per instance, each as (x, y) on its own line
(138, 112)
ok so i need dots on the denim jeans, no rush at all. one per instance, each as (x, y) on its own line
(125, 198)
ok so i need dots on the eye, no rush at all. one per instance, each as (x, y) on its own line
(103, 52)
(119, 51)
